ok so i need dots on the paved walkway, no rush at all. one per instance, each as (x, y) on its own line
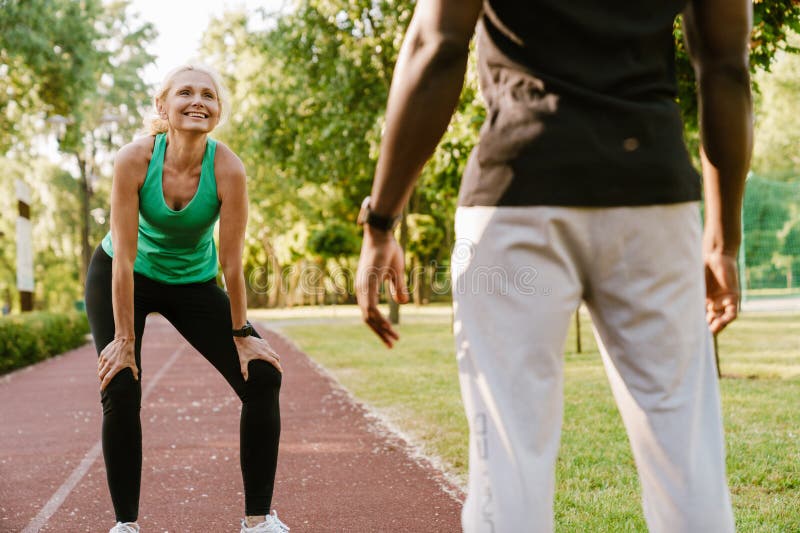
(337, 471)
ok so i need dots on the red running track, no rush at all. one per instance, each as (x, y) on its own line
(336, 472)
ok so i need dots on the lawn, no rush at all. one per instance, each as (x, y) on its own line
(415, 386)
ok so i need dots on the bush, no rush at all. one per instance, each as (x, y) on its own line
(31, 337)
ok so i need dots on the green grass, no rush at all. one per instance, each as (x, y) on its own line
(416, 386)
(762, 346)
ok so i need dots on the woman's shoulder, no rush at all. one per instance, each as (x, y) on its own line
(136, 153)
(226, 163)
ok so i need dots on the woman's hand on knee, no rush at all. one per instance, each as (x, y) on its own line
(250, 348)
(116, 356)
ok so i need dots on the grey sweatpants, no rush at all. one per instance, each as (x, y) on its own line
(519, 273)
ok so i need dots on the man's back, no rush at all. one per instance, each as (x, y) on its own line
(581, 109)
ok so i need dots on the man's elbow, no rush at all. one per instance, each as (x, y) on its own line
(733, 68)
(440, 47)
(728, 57)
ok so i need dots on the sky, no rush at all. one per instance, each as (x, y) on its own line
(180, 25)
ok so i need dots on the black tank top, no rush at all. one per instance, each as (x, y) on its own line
(581, 109)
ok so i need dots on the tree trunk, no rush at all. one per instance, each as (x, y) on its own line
(86, 252)
(416, 282)
(394, 307)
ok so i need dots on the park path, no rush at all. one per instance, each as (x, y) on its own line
(337, 472)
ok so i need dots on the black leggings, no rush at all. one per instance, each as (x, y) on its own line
(201, 313)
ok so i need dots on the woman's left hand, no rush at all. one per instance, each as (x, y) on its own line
(250, 348)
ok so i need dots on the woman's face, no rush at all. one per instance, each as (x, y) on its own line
(192, 103)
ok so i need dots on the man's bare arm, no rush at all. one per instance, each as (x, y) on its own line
(425, 89)
(718, 37)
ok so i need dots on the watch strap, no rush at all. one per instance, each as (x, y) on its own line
(246, 331)
(375, 220)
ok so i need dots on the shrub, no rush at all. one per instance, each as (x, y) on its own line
(32, 337)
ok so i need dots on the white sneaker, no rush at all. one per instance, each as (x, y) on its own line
(127, 527)
(270, 525)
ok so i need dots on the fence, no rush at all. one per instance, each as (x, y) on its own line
(770, 253)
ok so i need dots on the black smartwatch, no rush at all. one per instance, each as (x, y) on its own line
(381, 222)
(246, 331)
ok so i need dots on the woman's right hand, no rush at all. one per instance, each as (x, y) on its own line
(117, 355)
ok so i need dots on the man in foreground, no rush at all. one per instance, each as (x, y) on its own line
(580, 189)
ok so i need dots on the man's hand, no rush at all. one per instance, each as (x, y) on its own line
(381, 259)
(722, 290)
(117, 355)
(250, 348)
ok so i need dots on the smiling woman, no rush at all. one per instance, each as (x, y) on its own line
(168, 192)
(208, 85)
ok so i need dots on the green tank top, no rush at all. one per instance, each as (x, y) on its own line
(176, 246)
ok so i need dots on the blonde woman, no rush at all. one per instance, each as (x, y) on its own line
(169, 190)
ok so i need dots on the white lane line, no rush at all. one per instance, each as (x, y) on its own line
(74, 478)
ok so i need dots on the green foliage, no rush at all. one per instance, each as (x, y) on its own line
(33, 337)
(96, 83)
(46, 59)
(334, 239)
(777, 131)
(81, 60)
(309, 95)
(108, 114)
(425, 237)
(773, 24)
(56, 219)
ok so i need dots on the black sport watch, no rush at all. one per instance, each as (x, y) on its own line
(246, 331)
(381, 222)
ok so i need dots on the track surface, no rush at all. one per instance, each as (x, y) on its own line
(336, 471)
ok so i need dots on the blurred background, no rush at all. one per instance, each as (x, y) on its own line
(308, 81)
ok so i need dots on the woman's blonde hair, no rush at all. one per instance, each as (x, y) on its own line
(155, 124)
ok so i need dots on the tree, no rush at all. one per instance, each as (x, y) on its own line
(80, 62)
(107, 115)
(791, 251)
(776, 153)
(46, 51)
(309, 94)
